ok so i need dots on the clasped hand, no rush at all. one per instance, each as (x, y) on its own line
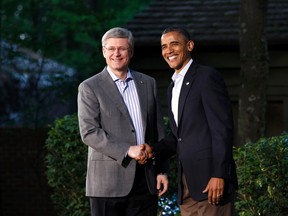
(141, 153)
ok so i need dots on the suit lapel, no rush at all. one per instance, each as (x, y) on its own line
(112, 91)
(171, 117)
(186, 86)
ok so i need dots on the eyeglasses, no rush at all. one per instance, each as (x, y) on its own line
(113, 49)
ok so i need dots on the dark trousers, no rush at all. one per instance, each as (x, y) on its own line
(139, 202)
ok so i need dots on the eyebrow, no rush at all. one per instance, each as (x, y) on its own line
(172, 42)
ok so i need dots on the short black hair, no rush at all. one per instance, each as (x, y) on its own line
(180, 30)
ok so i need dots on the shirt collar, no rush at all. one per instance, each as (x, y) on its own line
(115, 78)
(183, 72)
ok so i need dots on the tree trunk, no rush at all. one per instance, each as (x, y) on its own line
(254, 71)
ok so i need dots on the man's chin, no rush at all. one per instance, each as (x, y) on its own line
(172, 66)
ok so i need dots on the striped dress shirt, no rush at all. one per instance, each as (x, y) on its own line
(129, 94)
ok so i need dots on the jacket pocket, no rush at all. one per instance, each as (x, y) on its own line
(100, 156)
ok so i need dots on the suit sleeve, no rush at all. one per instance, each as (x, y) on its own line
(218, 111)
(91, 130)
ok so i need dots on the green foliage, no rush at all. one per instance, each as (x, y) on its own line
(128, 11)
(262, 169)
(51, 28)
(66, 161)
(67, 31)
(66, 167)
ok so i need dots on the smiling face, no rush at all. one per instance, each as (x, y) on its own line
(176, 50)
(117, 54)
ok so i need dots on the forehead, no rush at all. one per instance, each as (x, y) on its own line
(172, 37)
(116, 41)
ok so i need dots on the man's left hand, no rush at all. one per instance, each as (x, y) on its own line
(215, 189)
(162, 184)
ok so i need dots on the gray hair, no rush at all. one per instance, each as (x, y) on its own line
(119, 32)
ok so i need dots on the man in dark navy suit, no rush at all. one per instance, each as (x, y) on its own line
(201, 122)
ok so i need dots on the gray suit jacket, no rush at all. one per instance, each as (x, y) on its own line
(106, 127)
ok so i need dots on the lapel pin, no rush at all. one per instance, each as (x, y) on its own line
(187, 83)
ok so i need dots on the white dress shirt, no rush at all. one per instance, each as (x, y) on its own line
(178, 80)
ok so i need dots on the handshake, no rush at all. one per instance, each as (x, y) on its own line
(141, 153)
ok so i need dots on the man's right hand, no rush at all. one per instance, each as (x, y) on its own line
(148, 150)
(141, 153)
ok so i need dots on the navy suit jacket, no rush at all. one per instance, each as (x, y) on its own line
(203, 139)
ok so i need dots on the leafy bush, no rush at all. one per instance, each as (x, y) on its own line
(262, 169)
(66, 167)
(66, 171)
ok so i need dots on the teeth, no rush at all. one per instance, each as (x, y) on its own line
(171, 57)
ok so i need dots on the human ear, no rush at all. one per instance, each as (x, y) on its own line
(190, 45)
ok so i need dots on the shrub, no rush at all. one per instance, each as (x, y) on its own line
(66, 167)
(262, 169)
(66, 162)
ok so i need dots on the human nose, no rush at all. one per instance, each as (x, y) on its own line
(168, 49)
(117, 50)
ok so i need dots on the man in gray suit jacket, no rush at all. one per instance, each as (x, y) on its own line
(118, 112)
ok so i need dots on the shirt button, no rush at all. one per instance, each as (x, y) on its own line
(179, 139)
